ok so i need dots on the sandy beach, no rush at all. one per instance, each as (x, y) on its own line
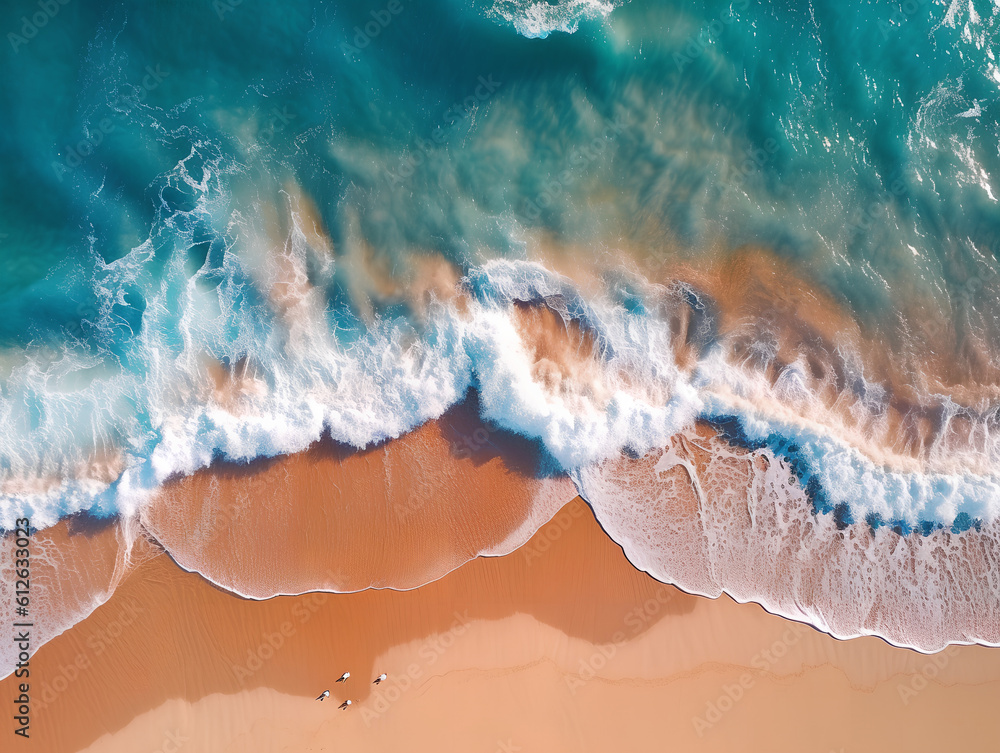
(504, 376)
(553, 642)
(561, 645)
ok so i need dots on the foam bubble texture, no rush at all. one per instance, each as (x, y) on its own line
(536, 20)
(711, 520)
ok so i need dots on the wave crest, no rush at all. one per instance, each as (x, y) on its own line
(538, 19)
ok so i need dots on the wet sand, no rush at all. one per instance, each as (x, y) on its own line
(397, 515)
(561, 645)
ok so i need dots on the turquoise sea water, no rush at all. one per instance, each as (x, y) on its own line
(166, 163)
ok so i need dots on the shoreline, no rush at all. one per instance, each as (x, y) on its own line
(203, 524)
(565, 619)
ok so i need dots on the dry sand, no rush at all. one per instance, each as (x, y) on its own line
(561, 645)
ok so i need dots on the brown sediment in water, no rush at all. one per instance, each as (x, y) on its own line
(876, 386)
(432, 277)
(559, 646)
(101, 464)
(768, 316)
(564, 358)
(372, 280)
(307, 217)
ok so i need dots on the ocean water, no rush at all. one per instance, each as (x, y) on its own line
(229, 227)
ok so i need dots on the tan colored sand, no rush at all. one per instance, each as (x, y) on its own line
(332, 518)
(561, 645)
(74, 566)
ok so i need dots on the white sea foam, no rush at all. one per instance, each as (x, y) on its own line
(536, 19)
(740, 526)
